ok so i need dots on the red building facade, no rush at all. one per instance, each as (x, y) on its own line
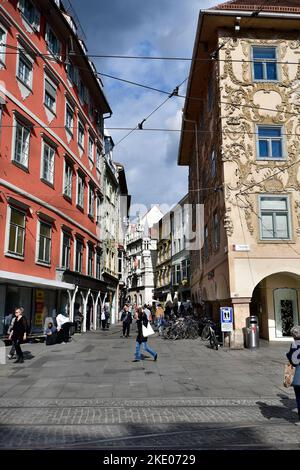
(51, 145)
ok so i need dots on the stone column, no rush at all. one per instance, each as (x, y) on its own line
(241, 310)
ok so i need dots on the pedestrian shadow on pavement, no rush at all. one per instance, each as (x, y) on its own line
(28, 355)
(282, 412)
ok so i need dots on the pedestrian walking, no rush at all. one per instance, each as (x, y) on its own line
(18, 333)
(147, 311)
(7, 322)
(12, 351)
(294, 357)
(127, 320)
(140, 340)
(103, 319)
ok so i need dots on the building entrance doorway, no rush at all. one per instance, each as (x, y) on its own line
(286, 311)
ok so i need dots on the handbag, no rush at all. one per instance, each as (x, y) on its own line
(289, 372)
(147, 330)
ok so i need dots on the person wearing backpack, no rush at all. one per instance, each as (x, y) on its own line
(18, 333)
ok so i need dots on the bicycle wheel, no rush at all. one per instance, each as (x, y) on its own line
(205, 333)
(213, 341)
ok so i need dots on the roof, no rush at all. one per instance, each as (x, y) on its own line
(276, 6)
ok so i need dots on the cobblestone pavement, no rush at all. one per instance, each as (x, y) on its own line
(89, 395)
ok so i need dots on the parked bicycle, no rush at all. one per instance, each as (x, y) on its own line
(209, 333)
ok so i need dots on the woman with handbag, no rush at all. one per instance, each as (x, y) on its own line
(140, 339)
(294, 358)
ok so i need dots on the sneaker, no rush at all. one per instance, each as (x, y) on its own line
(136, 360)
(10, 356)
(155, 357)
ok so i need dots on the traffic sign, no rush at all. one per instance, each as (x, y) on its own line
(226, 318)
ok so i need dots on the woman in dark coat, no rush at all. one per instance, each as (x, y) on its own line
(140, 340)
(294, 357)
(18, 333)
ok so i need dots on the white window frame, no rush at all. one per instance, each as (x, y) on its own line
(264, 61)
(18, 123)
(98, 253)
(269, 139)
(67, 188)
(91, 148)
(3, 48)
(27, 62)
(46, 144)
(75, 254)
(62, 264)
(274, 212)
(78, 202)
(7, 234)
(51, 93)
(98, 159)
(56, 54)
(69, 129)
(35, 23)
(38, 242)
(91, 201)
(81, 145)
(90, 249)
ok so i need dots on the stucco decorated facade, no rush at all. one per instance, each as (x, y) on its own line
(244, 163)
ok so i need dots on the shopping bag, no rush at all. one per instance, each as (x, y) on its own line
(289, 372)
(147, 330)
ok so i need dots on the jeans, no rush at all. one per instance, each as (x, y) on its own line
(297, 393)
(138, 356)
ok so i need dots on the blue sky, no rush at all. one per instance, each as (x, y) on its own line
(144, 27)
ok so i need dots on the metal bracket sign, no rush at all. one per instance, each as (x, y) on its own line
(226, 318)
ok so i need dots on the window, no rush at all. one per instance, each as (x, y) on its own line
(68, 176)
(90, 260)
(91, 201)
(53, 43)
(66, 250)
(98, 210)
(21, 145)
(80, 191)
(25, 70)
(50, 95)
(270, 142)
(78, 256)
(30, 13)
(82, 92)
(48, 163)
(16, 232)
(206, 253)
(80, 135)
(3, 41)
(69, 119)
(213, 164)
(274, 217)
(178, 274)
(216, 230)
(91, 149)
(98, 265)
(264, 63)
(98, 160)
(44, 243)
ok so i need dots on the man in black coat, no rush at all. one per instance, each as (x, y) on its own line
(126, 318)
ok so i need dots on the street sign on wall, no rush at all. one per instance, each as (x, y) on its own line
(226, 318)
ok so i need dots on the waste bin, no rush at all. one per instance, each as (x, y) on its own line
(252, 332)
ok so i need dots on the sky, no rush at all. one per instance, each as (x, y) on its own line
(150, 28)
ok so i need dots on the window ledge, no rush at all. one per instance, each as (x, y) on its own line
(24, 84)
(277, 241)
(19, 165)
(90, 216)
(48, 183)
(43, 263)
(273, 159)
(14, 255)
(67, 198)
(80, 208)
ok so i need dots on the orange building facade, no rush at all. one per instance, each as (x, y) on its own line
(51, 146)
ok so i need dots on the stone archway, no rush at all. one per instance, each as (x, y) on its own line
(276, 300)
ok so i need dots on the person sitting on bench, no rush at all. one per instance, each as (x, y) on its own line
(63, 328)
